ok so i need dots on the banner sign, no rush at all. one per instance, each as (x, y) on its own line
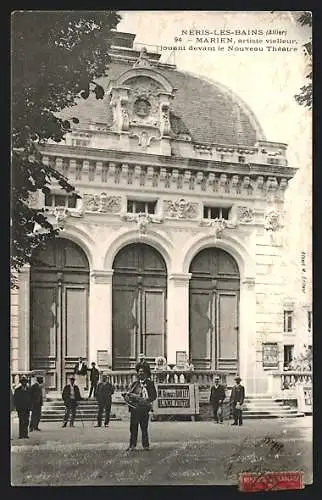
(180, 399)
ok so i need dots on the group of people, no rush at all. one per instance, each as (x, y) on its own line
(139, 416)
(28, 400)
(217, 398)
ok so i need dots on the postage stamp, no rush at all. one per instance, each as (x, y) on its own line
(270, 481)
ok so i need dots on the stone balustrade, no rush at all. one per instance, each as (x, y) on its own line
(106, 173)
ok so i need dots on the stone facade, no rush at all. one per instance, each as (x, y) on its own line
(138, 158)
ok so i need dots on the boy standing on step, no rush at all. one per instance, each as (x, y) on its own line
(237, 397)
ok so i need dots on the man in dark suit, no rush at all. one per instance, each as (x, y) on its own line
(36, 404)
(22, 404)
(94, 378)
(71, 397)
(145, 388)
(217, 396)
(80, 372)
(142, 363)
(237, 397)
(104, 398)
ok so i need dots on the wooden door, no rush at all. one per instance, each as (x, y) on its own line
(213, 311)
(139, 305)
(59, 311)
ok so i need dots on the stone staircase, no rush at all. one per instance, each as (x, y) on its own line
(53, 410)
(263, 406)
(256, 407)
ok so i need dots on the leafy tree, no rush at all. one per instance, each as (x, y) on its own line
(56, 58)
(304, 97)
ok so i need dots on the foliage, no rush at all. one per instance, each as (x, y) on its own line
(304, 97)
(56, 58)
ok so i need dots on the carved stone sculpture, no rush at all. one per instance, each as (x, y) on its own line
(245, 214)
(102, 203)
(217, 224)
(142, 220)
(272, 220)
(181, 209)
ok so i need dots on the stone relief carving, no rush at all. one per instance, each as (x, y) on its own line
(142, 107)
(181, 209)
(102, 203)
(144, 138)
(272, 220)
(245, 214)
(218, 225)
(142, 220)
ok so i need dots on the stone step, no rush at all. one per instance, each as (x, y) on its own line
(267, 408)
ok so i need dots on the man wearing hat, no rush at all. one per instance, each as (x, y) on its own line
(217, 396)
(71, 397)
(104, 398)
(142, 363)
(36, 402)
(22, 403)
(237, 397)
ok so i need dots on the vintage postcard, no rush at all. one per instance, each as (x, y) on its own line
(161, 311)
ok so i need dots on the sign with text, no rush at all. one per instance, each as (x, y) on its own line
(304, 398)
(176, 399)
(270, 355)
(103, 359)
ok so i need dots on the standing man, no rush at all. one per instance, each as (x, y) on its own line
(22, 403)
(80, 371)
(142, 363)
(104, 398)
(71, 397)
(237, 397)
(217, 396)
(94, 378)
(36, 404)
(145, 388)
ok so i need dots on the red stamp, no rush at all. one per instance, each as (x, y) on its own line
(270, 481)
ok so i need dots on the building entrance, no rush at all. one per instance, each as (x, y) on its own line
(139, 305)
(213, 310)
(59, 284)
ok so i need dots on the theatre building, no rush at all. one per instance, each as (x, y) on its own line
(176, 241)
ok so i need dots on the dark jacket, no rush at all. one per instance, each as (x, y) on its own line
(237, 394)
(217, 394)
(36, 395)
(66, 394)
(148, 384)
(146, 367)
(82, 371)
(22, 398)
(104, 392)
(94, 375)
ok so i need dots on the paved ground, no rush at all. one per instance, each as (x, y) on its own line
(182, 453)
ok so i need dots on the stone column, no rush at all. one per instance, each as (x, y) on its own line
(100, 313)
(177, 315)
(24, 319)
(247, 335)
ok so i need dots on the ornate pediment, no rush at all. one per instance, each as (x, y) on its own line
(141, 99)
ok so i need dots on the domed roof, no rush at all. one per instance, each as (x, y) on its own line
(210, 112)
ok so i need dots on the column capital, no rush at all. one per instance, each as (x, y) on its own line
(180, 279)
(249, 282)
(102, 276)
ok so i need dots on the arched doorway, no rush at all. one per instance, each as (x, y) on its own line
(213, 310)
(139, 305)
(59, 285)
